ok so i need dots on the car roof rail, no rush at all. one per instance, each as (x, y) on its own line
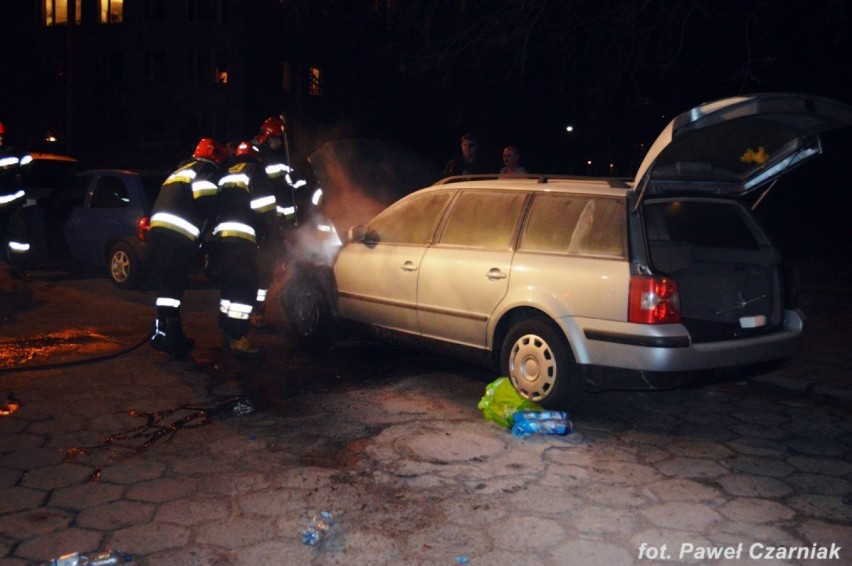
(612, 182)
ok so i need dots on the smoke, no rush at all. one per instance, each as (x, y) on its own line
(359, 179)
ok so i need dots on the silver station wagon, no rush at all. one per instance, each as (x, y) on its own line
(570, 284)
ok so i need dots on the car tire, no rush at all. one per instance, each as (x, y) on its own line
(309, 313)
(539, 362)
(123, 266)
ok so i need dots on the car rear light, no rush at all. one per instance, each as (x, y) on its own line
(142, 228)
(653, 300)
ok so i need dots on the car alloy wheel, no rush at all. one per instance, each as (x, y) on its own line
(123, 266)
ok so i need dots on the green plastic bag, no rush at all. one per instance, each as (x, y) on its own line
(501, 402)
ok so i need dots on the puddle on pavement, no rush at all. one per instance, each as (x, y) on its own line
(55, 345)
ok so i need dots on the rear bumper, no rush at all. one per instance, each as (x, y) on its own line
(668, 348)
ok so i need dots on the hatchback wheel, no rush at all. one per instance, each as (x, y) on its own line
(123, 266)
(538, 360)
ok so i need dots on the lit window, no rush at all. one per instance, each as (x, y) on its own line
(316, 81)
(111, 12)
(57, 12)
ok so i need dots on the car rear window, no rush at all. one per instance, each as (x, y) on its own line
(575, 224)
(483, 219)
(708, 224)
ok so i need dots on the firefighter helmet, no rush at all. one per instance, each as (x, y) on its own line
(209, 148)
(272, 127)
(247, 151)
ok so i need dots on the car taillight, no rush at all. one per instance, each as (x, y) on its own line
(653, 300)
(142, 228)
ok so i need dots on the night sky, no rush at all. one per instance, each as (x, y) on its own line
(519, 71)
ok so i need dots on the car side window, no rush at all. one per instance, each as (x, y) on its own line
(575, 224)
(410, 221)
(483, 219)
(110, 193)
(72, 193)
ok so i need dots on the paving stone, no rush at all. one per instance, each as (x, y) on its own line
(590, 552)
(819, 484)
(149, 538)
(760, 466)
(682, 489)
(691, 468)
(14, 442)
(525, 533)
(236, 532)
(85, 495)
(624, 472)
(116, 514)
(193, 511)
(759, 447)
(756, 511)
(34, 522)
(132, 471)
(52, 545)
(754, 486)
(825, 507)
(235, 483)
(32, 458)
(9, 477)
(17, 498)
(55, 477)
(830, 466)
(159, 490)
(824, 533)
(682, 515)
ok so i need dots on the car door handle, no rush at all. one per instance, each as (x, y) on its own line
(496, 273)
(409, 266)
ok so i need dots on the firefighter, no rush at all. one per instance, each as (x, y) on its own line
(13, 230)
(181, 214)
(271, 143)
(245, 221)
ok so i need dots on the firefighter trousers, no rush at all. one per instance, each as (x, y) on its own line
(234, 266)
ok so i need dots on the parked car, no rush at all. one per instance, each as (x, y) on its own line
(98, 218)
(566, 283)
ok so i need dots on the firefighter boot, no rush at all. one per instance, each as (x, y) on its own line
(243, 348)
(168, 337)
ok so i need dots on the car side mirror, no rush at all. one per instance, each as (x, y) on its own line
(357, 234)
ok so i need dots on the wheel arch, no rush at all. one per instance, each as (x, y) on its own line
(511, 317)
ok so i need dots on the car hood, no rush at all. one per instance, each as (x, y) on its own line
(361, 177)
(734, 145)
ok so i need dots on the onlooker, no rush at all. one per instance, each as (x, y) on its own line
(511, 165)
(467, 163)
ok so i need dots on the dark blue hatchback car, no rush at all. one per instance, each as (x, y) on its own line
(98, 218)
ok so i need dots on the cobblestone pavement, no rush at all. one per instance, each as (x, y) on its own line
(213, 461)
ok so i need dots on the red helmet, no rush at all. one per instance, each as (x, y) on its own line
(247, 151)
(272, 127)
(209, 148)
(2, 128)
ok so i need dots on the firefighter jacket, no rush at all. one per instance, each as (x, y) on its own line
(187, 199)
(11, 194)
(281, 178)
(246, 204)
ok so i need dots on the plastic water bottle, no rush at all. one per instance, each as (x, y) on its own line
(102, 558)
(527, 422)
(318, 527)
